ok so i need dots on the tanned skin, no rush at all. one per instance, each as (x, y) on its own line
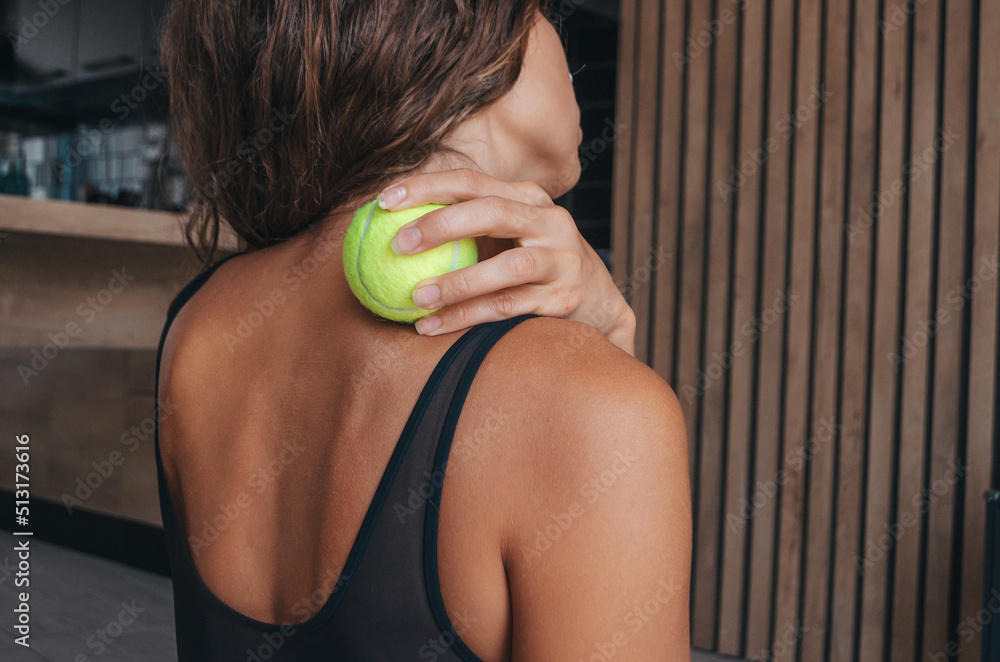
(565, 526)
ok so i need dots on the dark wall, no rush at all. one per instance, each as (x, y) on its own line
(592, 43)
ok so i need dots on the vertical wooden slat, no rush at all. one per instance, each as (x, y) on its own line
(885, 220)
(754, 522)
(948, 327)
(739, 434)
(668, 183)
(626, 107)
(913, 349)
(774, 302)
(645, 132)
(855, 360)
(688, 343)
(716, 294)
(674, 67)
(798, 350)
(982, 340)
(826, 327)
(811, 450)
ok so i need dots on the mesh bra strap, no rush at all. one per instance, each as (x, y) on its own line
(396, 582)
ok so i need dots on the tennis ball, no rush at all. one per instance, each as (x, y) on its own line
(383, 281)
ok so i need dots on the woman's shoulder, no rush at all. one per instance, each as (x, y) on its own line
(582, 398)
(596, 505)
(581, 361)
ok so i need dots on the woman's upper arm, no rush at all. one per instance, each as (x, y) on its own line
(599, 557)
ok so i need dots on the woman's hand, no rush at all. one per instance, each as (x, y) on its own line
(532, 256)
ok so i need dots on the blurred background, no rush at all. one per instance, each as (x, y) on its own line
(84, 106)
(799, 198)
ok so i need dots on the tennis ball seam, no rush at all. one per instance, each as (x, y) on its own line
(361, 279)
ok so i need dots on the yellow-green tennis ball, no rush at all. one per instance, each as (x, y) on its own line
(383, 281)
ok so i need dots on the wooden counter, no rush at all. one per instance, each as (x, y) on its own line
(100, 274)
(84, 291)
(91, 221)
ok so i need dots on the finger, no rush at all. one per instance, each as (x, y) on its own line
(491, 216)
(518, 266)
(451, 186)
(493, 307)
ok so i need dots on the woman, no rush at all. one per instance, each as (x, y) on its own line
(307, 445)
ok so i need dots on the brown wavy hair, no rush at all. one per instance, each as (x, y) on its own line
(285, 110)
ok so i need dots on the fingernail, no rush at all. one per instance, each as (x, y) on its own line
(405, 241)
(391, 197)
(427, 324)
(426, 296)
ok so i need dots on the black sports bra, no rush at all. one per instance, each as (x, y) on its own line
(386, 604)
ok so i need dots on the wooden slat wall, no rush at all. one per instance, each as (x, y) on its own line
(819, 181)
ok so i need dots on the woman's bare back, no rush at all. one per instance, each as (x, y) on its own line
(286, 401)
